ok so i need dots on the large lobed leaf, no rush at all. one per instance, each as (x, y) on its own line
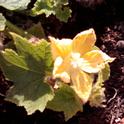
(27, 69)
(66, 100)
(55, 7)
(15, 4)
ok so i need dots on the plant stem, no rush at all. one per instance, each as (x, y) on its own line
(14, 28)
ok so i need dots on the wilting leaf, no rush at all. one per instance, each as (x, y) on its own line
(14, 4)
(27, 69)
(97, 97)
(65, 100)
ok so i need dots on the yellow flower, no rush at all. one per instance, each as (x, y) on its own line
(76, 61)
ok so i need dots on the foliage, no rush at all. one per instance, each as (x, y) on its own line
(72, 64)
(65, 99)
(2, 22)
(59, 8)
(14, 4)
(29, 67)
(55, 7)
(97, 96)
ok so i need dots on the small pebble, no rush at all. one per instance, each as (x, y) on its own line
(117, 120)
(120, 45)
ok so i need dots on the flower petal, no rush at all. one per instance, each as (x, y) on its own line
(82, 84)
(94, 61)
(60, 47)
(84, 41)
(62, 69)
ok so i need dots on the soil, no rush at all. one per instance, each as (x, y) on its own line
(107, 18)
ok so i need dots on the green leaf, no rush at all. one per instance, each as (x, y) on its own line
(27, 69)
(97, 97)
(63, 14)
(14, 4)
(17, 30)
(37, 31)
(55, 7)
(106, 72)
(95, 48)
(65, 100)
(41, 7)
(2, 22)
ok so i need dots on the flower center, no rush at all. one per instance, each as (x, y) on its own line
(76, 61)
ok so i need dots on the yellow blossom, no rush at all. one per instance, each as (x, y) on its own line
(76, 61)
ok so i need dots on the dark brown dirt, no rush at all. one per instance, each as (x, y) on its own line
(107, 18)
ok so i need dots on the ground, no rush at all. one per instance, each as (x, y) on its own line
(107, 18)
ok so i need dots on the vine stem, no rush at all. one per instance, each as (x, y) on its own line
(17, 30)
